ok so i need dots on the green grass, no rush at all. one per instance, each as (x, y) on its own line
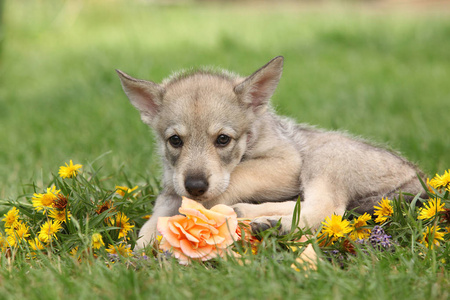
(400, 276)
(383, 76)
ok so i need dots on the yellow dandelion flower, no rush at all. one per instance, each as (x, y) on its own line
(97, 241)
(447, 230)
(439, 181)
(59, 215)
(45, 201)
(159, 238)
(335, 227)
(432, 236)
(11, 217)
(17, 233)
(121, 249)
(384, 210)
(122, 190)
(431, 208)
(22, 230)
(3, 242)
(121, 220)
(74, 251)
(49, 230)
(358, 230)
(431, 186)
(70, 170)
(36, 244)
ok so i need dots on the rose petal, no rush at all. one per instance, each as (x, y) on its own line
(169, 235)
(215, 218)
(194, 214)
(215, 240)
(213, 254)
(165, 245)
(200, 232)
(219, 213)
(224, 209)
(211, 229)
(170, 228)
(228, 231)
(189, 236)
(183, 259)
(193, 209)
(191, 204)
(189, 251)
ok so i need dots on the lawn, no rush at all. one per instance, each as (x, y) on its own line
(380, 74)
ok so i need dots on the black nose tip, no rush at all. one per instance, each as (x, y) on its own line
(196, 186)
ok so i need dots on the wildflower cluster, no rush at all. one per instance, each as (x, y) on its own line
(424, 223)
(74, 215)
(336, 228)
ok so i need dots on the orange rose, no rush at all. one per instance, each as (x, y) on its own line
(199, 233)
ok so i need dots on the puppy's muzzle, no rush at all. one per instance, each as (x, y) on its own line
(196, 185)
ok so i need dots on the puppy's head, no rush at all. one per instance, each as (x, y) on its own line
(205, 122)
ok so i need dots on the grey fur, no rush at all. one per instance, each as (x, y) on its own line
(269, 161)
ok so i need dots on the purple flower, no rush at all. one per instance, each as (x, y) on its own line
(113, 257)
(336, 256)
(379, 239)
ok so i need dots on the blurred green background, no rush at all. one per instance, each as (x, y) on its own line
(380, 71)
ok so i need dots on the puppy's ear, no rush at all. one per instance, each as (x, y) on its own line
(145, 95)
(256, 90)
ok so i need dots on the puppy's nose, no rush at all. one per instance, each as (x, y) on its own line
(196, 185)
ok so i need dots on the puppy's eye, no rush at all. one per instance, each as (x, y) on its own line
(175, 141)
(223, 140)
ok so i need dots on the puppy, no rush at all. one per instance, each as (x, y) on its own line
(221, 142)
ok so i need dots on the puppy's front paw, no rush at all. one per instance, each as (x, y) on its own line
(243, 210)
(239, 212)
(261, 224)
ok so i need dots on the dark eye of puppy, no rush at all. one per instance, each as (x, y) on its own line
(223, 140)
(175, 141)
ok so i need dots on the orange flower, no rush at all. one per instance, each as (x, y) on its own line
(244, 230)
(199, 234)
(245, 236)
